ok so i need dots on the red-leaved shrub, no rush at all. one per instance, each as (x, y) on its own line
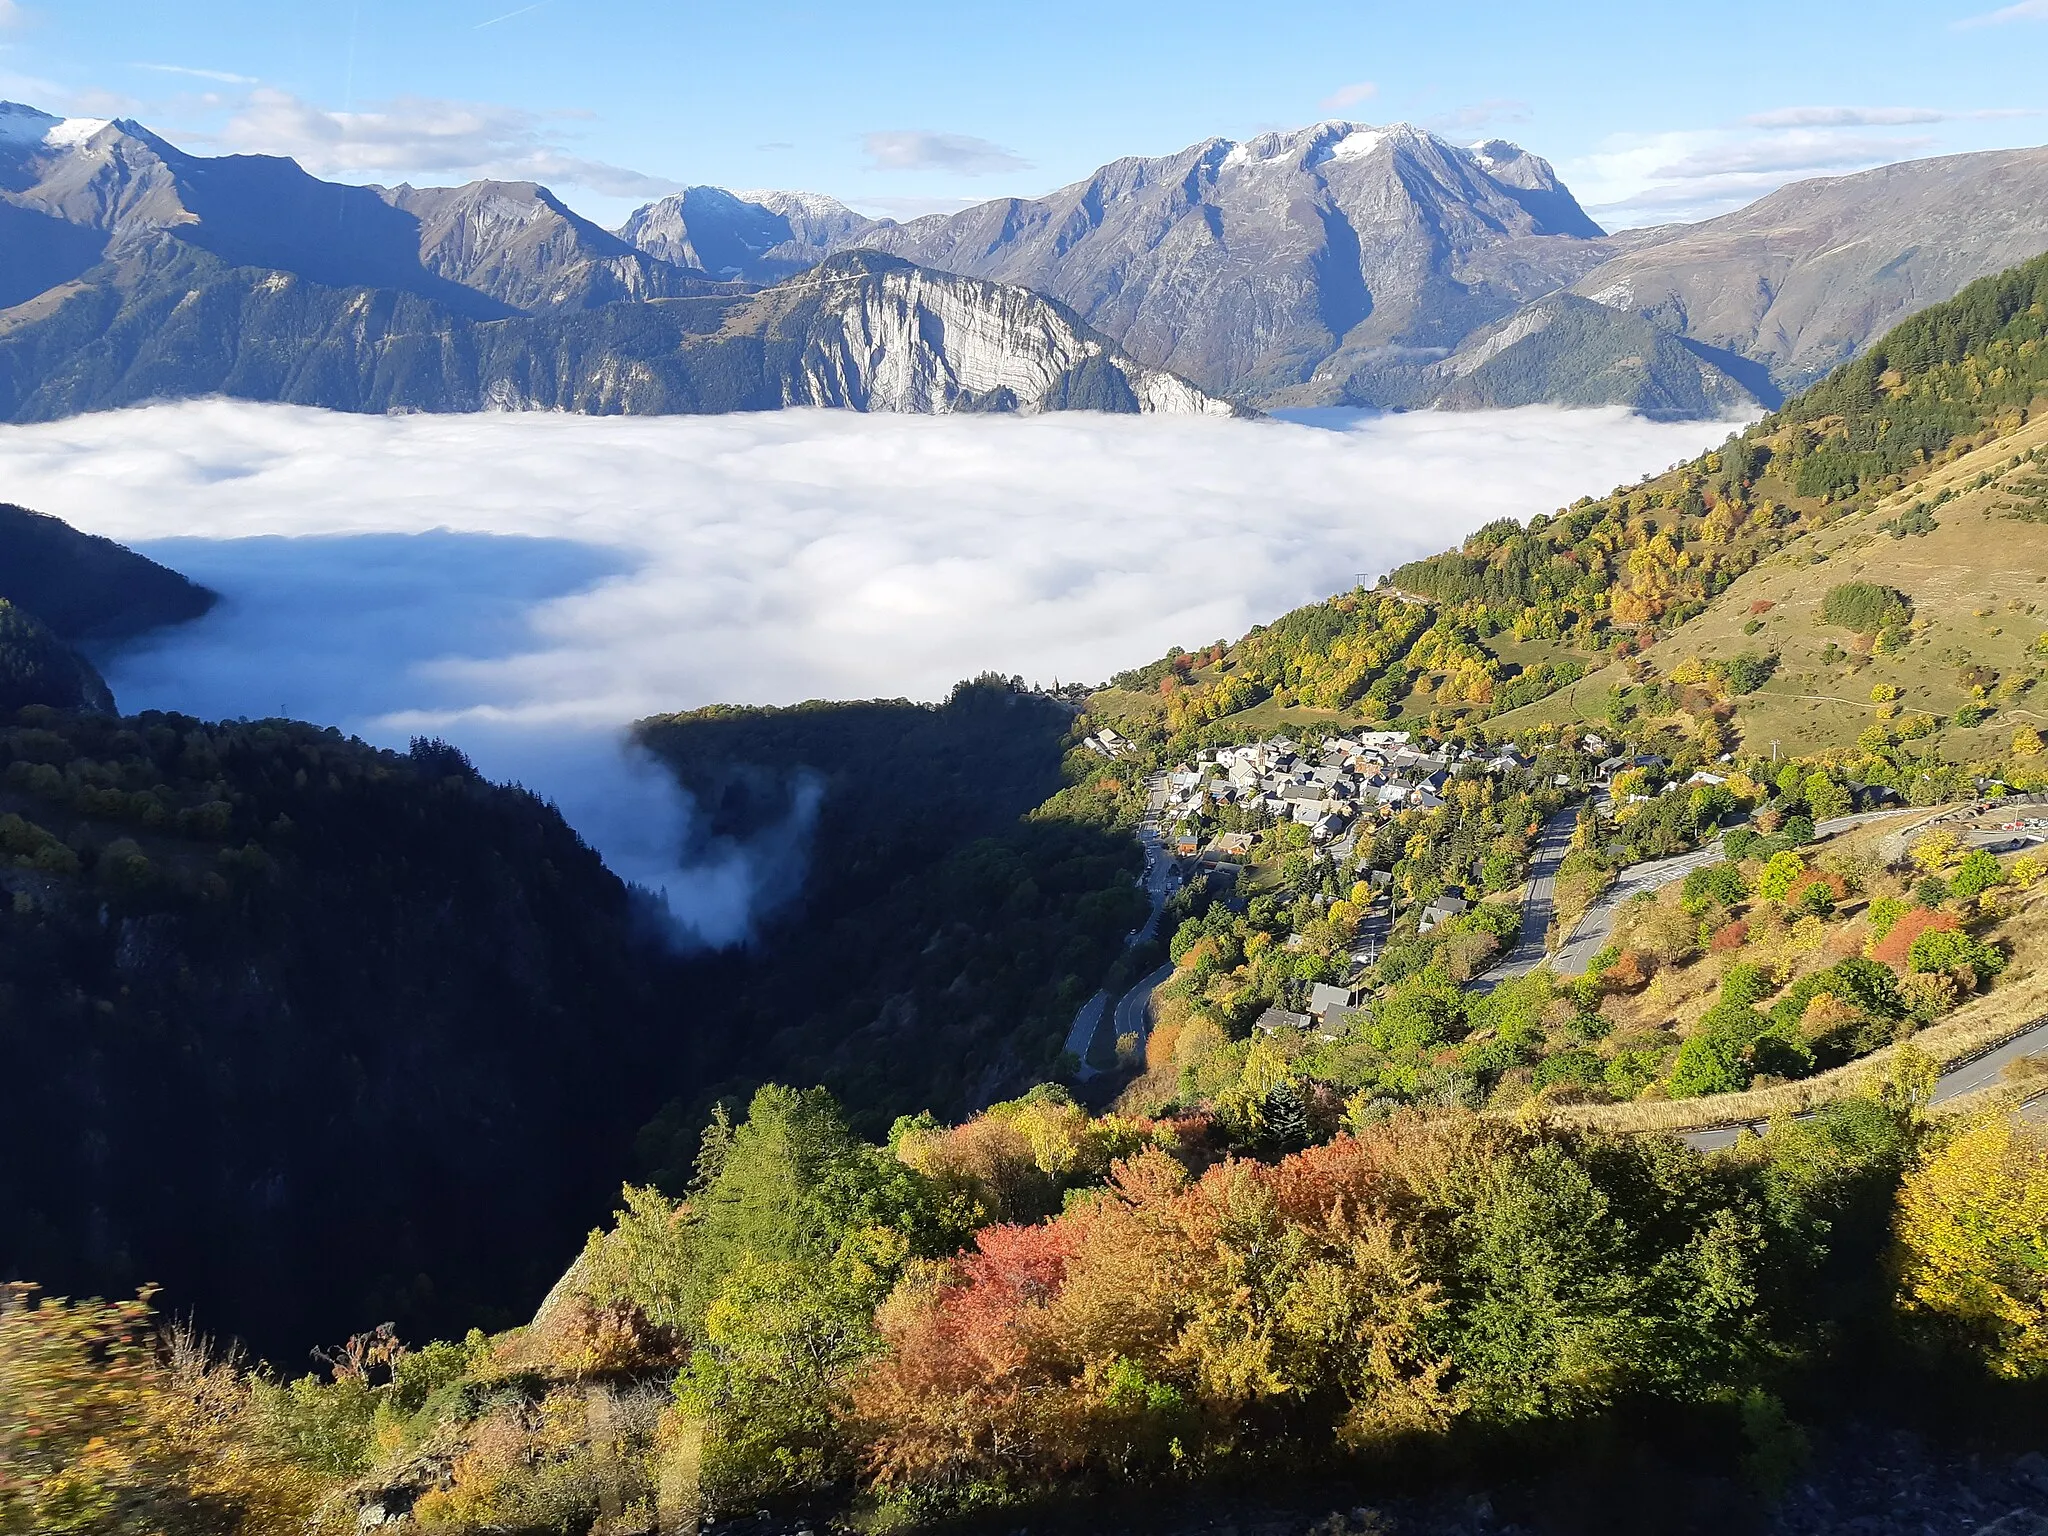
(1895, 946)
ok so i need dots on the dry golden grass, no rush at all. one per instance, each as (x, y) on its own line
(1976, 585)
(1980, 1025)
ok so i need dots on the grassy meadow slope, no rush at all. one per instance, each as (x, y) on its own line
(1978, 584)
(1912, 468)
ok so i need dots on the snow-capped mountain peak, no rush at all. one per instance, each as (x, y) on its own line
(814, 205)
(25, 125)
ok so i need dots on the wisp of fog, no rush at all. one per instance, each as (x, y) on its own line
(527, 585)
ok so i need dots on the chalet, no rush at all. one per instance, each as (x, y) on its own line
(1274, 1020)
(1322, 998)
(1442, 909)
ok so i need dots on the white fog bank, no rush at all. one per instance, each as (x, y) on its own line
(526, 584)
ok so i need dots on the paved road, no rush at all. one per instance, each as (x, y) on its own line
(1158, 882)
(1082, 1036)
(1552, 843)
(1964, 1077)
(1134, 1009)
(1576, 954)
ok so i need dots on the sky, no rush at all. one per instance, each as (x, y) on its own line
(1652, 112)
(526, 585)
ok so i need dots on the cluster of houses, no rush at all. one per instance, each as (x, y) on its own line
(1326, 789)
(1107, 743)
(1329, 1010)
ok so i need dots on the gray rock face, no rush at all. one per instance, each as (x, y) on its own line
(516, 242)
(884, 335)
(1805, 278)
(110, 188)
(756, 237)
(1296, 268)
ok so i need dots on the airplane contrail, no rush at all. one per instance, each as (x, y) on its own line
(508, 15)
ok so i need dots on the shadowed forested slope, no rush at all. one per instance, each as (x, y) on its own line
(305, 1031)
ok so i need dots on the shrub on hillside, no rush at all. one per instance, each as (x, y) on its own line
(1864, 606)
(1951, 952)
(1897, 944)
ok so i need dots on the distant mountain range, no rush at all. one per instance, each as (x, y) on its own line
(136, 272)
(1335, 265)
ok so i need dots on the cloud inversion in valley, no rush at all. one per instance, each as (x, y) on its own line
(526, 585)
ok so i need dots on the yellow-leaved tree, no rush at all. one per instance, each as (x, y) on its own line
(1973, 1240)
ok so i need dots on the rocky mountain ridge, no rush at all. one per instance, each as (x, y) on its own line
(145, 273)
(1350, 265)
(1338, 264)
(863, 332)
(1294, 268)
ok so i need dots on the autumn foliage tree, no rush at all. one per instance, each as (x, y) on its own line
(1346, 1298)
(1973, 1246)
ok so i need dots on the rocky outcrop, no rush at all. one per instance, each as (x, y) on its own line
(1342, 264)
(756, 237)
(880, 334)
(516, 242)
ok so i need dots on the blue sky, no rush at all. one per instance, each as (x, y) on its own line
(1652, 112)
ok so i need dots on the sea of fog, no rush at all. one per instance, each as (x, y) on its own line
(526, 585)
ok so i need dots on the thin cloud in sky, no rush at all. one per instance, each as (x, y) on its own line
(1500, 109)
(1843, 117)
(523, 10)
(1790, 152)
(1347, 96)
(524, 585)
(2026, 10)
(921, 149)
(425, 136)
(12, 14)
(1636, 179)
(909, 207)
(221, 75)
(1877, 117)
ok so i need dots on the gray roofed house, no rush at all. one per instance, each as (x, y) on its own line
(1440, 909)
(1322, 997)
(1273, 1020)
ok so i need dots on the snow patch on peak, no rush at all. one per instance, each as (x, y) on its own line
(815, 204)
(1496, 150)
(1357, 144)
(70, 132)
